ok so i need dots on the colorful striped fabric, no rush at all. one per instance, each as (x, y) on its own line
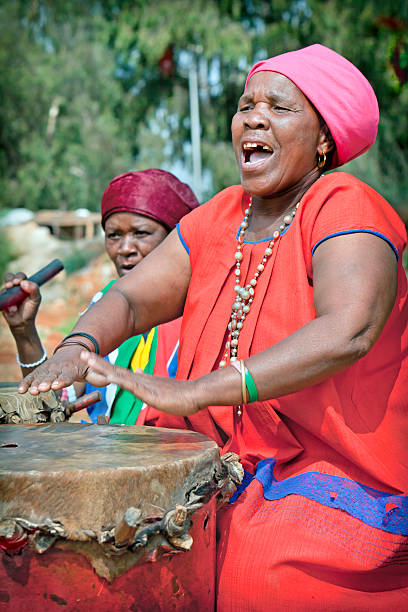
(153, 352)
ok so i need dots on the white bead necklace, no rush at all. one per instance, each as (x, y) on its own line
(245, 294)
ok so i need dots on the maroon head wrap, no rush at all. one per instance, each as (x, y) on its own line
(154, 193)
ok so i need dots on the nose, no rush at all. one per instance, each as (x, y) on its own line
(127, 245)
(256, 119)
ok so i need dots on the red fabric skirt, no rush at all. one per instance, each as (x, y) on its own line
(296, 554)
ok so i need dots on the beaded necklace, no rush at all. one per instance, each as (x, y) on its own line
(244, 295)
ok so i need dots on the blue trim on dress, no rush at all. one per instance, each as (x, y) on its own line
(183, 242)
(247, 479)
(263, 239)
(357, 231)
(375, 508)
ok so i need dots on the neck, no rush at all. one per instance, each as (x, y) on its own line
(277, 204)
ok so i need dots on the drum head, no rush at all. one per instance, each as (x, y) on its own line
(80, 479)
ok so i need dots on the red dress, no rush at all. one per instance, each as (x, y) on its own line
(322, 520)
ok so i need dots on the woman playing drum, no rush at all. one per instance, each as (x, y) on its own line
(294, 346)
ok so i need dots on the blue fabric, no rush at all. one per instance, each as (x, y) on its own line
(100, 407)
(375, 508)
(183, 242)
(357, 231)
(248, 478)
(172, 363)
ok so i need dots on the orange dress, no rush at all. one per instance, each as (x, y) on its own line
(321, 521)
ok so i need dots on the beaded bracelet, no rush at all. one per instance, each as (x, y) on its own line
(84, 335)
(251, 386)
(32, 365)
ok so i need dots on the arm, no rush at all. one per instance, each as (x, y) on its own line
(21, 320)
(355, 282)
(154, 292)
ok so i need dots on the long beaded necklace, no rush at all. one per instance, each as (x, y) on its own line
(244, 295)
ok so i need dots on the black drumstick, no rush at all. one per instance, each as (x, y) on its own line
(16, 295)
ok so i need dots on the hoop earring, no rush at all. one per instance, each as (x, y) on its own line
(321, 160)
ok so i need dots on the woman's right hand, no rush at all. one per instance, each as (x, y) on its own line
(61, 370)
(21, 318)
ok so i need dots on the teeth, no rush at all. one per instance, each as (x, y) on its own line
(254, 145)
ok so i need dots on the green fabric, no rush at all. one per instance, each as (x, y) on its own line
(126, 406)
(108, 286)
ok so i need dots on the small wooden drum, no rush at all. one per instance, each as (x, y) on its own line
(109, 517)
(26, 409)
(17, 408)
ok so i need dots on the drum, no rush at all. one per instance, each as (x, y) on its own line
(100, 517)
(17, 408)
(29, 409)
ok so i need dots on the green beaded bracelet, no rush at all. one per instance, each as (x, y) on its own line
(251, 386)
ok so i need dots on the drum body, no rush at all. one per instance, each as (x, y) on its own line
(108, 517)
(65, 577)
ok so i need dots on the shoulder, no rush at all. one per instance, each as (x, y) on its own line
(227, 200)
(345, 194)
(349, 191)
(220, 215)
(339, 203)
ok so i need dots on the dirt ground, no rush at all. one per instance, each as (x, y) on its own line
(64, 297)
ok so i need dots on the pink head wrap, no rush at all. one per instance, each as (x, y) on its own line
(338, 90)
(154, 193)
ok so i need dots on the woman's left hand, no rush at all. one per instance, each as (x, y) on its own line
(172, 396)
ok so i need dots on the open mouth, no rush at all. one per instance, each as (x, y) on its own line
(127, 267)
(255, 152)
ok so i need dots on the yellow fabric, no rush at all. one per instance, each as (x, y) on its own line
(141, 355)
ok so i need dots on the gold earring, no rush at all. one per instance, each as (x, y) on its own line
(321, 160)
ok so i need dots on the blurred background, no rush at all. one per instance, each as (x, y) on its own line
(91, 89)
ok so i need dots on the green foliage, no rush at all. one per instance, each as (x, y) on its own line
(365, 32)
(6, 254)
(61, 139)
(83, 98)
(79, 258)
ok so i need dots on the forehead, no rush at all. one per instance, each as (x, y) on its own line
(128, 220)
(273, 84)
